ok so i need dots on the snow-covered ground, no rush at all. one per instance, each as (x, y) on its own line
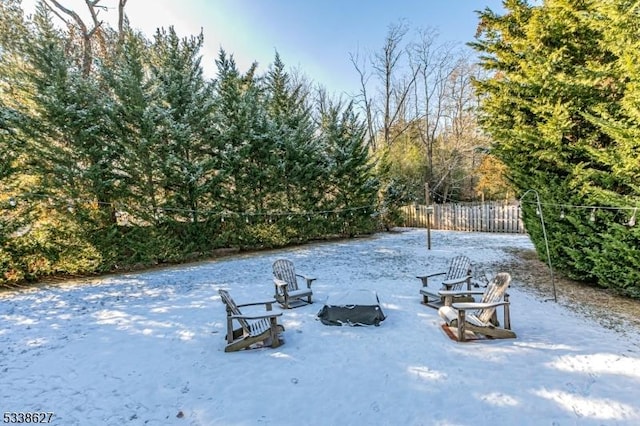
(148, 348)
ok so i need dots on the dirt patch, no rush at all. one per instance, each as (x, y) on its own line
(608, 308)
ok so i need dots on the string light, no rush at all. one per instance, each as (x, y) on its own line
(583, 207)
(632, 221)
(13, 201)
(592, 215)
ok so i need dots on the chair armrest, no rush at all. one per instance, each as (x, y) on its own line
(459, 292)
(453, 281)
(254, 317)
(431, 275)
(267, 303)
(309, 280)
(464, 306)
(279, 283)
(425, 278)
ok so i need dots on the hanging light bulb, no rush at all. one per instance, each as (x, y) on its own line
(592, 217)
(632, 221)
(537, 211)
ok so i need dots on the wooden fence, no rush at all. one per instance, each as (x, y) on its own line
(485, 217)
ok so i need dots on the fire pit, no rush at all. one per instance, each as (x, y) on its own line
(352, 307)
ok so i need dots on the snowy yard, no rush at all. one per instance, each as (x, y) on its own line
(148, 348)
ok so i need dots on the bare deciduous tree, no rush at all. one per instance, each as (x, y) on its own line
(395, 90)
(434, 65)
(121, 20)
(423, 98)
(88, 34)
(364, 99)
(459, 139)
(395, 87)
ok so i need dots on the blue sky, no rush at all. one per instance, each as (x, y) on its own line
(315, 36)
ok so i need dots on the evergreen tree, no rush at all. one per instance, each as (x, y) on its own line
(74, 151)
(351, 187)
(93, 128)
(617, 259)
(135, 128)
(294, 154)
(241, 128)
(13, 33)
(552, 67)
(182, 108)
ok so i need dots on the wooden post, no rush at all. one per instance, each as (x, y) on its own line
(429, 211)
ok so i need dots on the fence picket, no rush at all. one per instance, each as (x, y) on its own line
(485, 217)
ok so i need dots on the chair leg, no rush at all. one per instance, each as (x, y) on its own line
(507, 318)
(275, 341)
(461, 325)
(231, 333)
(494, 319)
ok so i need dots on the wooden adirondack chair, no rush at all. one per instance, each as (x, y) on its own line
(483, 318)
(285, 280)
(454, 278)
(253, 329)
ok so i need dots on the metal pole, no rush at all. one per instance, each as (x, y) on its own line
(546, 240)
(427, 201)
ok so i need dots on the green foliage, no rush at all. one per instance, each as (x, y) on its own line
(71, 150)
(48, 246)
(560, 107)
(395, 191)
(405, 165)
(183, 104)
(349, 179)
(491, 182)
(266, 235)
(139, 160)
(133, 114)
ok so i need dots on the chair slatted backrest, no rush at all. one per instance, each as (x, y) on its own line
(259, 326)
(284, 270)
(232, 309)
(494, 292)
(460, 266)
